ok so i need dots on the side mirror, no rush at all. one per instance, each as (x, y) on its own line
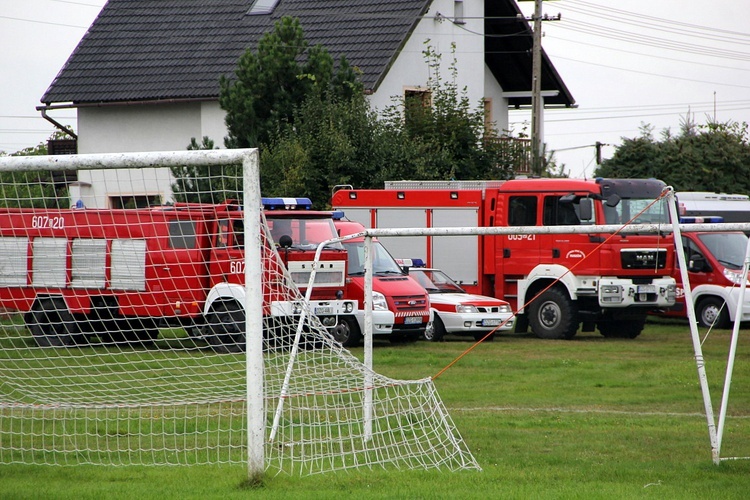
(612, 200)
(585, 209)
(697, 264)
(285, 241)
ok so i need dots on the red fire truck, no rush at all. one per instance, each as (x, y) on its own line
(579, 279)
(401, 307)
(121, 274)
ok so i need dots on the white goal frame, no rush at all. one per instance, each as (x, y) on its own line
(715, 434)
(248, 158)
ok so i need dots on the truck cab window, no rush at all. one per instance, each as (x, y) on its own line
(238, 234)
(560, 213)
(522, 211)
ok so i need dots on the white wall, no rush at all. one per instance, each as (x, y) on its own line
(162, 127)
(169, 127)
(438, 33)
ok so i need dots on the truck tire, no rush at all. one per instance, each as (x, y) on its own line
(553, 315)
(622, 329)
(52, 325)
(712, 312)
(225, 328)
(435, 331)
(141, 331)
(346, 332)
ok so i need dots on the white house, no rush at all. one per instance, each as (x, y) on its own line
(145, 77)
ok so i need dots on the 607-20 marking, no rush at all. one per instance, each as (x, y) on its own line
(45, 221)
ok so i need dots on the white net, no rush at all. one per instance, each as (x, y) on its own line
(122, 335)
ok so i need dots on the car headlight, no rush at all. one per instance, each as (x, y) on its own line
(505, 308)
(733, 276)
(466, 308)
(378, 302)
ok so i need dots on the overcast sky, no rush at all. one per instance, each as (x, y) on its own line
(627, 63)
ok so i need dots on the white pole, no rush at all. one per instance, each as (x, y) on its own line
(368, 339)
(295, 344)
(700, 362)
(733, 349)
(254, 318)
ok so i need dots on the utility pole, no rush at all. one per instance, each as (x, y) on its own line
(536, 92)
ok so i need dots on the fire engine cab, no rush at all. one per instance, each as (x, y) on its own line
(556, 282)
(401, 307)
(714, 264)
(120, 274)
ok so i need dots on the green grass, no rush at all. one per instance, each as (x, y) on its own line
(586, 418)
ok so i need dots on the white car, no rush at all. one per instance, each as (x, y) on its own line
(460, 313)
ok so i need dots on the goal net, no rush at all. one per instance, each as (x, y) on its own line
(122, 330)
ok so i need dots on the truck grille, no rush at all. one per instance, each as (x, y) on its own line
(410, 302)
(643, 258)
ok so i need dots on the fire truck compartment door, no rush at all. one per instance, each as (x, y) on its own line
(49, 267)
(457, 256)
(404, 247)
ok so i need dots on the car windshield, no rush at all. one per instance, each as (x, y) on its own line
(640, 211)
(435, 281)
(728, 248)
(306, 233)
(383, 262)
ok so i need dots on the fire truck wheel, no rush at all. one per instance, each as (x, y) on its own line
(226, 324)
(622, 328)
(346, 332)
(553, 315)
(52, 325)
(712, 312)
(141, 331)
(435, 330)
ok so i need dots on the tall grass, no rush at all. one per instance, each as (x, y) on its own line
(585, 418)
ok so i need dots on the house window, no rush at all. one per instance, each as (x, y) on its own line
(262, 7)
(417, 103)
(458, 12)
(135, 201)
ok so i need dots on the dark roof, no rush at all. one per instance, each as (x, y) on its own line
(142, 50)
(508, 47)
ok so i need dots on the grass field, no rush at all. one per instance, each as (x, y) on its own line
(585, 418)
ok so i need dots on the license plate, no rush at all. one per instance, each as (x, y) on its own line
(490, 322)
(646, 289)
(413, 320)
(323, 310)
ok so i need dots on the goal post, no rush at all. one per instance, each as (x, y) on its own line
(120, 346)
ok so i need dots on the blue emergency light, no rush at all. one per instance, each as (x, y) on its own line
(715, 219)
(410, 262)
(286, 203)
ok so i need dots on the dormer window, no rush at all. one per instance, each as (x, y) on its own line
(262, 7)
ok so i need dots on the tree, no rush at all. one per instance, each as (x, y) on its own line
(32, 189)
(271, 83)
(452, 133)
(213, 184)
(710, 157)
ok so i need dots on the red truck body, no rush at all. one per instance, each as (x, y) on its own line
(120, 273)
(608, 285)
